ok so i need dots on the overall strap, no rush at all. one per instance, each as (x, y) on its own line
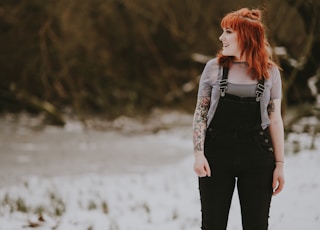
(223, 85)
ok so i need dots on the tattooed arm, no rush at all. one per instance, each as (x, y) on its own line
(201, 166)
(200, 123)
(208, 76)
(270, 107)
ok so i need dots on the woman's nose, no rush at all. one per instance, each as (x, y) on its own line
(221, 38)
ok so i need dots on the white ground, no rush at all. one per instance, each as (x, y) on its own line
(107, 180)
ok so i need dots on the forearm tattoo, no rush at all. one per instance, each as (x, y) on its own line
(200, 123)
(270, 107)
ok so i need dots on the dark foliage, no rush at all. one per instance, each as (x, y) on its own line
(126, 57)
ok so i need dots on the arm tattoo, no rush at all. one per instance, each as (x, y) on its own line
(270, 107)
(200, 123)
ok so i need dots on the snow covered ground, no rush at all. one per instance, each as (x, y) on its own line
(147, 184)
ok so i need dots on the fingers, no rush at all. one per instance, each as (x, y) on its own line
(274, 183)
(203, 170)
(201, 166)
(277, 185)
(277, 190)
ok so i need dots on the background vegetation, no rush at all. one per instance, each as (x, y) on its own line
(112, 57)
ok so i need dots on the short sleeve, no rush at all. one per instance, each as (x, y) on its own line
(205, 84)
(276, 88)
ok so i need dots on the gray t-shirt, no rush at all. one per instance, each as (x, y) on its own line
(209, 87)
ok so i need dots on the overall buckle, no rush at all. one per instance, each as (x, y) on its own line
(223, 85)
(259, 91)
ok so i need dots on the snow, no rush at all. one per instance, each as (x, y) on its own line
(150, 198)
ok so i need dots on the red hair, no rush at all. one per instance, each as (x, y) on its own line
(251, 39)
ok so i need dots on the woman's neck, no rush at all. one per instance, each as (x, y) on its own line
(239, 59)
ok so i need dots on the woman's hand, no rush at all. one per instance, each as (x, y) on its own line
(278, 179)
(201, 165)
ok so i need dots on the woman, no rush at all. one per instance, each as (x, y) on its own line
(238, 130)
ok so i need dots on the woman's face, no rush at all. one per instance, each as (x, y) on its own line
(230, 46)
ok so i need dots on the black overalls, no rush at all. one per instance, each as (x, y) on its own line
(239, 152)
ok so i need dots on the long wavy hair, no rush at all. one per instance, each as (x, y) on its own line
(252, 41)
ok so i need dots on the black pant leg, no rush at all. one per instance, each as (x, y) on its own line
(216, 195)
(254, 185)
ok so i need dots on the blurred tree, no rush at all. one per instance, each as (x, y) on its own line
(303, 47)
(126, 57)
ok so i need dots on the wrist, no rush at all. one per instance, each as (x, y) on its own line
(198, 153)
(279, 163)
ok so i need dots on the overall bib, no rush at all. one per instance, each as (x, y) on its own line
(239, 153)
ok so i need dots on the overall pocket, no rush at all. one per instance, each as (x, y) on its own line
(210, 134)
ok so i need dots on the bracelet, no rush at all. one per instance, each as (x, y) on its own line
(282, 162)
